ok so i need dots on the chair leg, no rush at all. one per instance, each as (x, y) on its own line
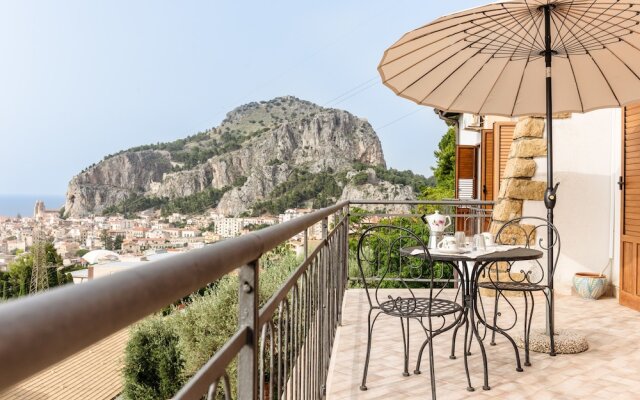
(495, 328)
(495, 319)
(418, 362)
(363, 385)
(527, 326)
(528, 332)
(405, 340)
(432, 369)
(455, 333)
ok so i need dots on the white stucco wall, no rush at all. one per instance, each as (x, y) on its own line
(587, 165)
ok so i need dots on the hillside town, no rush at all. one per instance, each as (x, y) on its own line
(129, 242)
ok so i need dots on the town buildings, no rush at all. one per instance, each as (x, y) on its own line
(133, 239)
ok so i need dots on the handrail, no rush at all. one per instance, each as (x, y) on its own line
(268, 310)
(38, 331)
(426, 202)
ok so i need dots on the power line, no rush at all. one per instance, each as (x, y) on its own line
(399, 118)
(349, 93)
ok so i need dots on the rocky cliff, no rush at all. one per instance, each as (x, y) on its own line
(255, 149)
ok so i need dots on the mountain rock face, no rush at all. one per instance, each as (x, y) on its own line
(377, 189)
(253, 150)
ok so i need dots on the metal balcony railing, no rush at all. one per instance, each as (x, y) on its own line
(289, 339)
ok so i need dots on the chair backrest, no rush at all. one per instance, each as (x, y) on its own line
(530, 232)
(385, 263)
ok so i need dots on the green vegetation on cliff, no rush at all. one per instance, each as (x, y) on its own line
(301, 186)
(193, 204)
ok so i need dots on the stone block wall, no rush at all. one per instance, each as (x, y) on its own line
(517, 184)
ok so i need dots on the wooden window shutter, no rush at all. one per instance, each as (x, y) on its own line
(466, 172)
(486, 168)
(502, 139)
(629, 183)
(466, 181)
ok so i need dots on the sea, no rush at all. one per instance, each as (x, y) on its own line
(14, 204)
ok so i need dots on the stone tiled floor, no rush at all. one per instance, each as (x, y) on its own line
(610, 369)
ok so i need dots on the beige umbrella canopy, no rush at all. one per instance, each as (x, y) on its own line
(491, 59)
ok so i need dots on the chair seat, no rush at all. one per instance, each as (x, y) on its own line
(512, 286)
(419, 307)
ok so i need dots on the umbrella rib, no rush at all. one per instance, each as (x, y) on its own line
(508, 27)
(492, 87)
(570, 30)
(436, 22)
(564, 20)
(522, 38)
(469, 81)
(504, 43)
(386, 79)
(515, 101)
(603, 33)
(575, 80)
(430, 43)
(526, 30)
(533, 19)
(423, 75)
(624, 63)
(448, 76)
(605, 78)
(573, 74)
(577, 19)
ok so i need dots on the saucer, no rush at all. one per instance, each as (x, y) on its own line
(451, 251)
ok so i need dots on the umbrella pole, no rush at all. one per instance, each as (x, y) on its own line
(550, 193)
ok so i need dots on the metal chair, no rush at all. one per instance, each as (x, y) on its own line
(384, 262)
(526, 278)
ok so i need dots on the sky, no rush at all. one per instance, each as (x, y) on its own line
(80, 80)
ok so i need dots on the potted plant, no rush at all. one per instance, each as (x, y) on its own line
(590, 285)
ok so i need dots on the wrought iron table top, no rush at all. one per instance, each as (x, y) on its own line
(512, 254)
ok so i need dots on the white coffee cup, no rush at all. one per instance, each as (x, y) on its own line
(448, 243)
(460, 238)
(488, 238)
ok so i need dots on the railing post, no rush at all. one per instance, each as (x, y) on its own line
(344, 245)
(248, 318)
(306, 243)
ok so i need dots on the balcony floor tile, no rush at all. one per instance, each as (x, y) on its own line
(608, 370)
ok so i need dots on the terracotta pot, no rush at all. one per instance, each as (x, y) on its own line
(590, 285)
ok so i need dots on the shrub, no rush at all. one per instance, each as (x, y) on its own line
(153, 364)
(164, 350)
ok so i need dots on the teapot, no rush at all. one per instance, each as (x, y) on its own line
(438, 222)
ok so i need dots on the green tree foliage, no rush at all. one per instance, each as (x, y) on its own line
(81, 252)
(107, 241)
(193, 204)
(117, 243)
(190, 337)
(153, 363)
(17, 280)
(301, 186)
(444, 171)
(20, 275)
(408, 178)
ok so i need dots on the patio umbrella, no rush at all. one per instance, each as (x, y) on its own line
(492, 60)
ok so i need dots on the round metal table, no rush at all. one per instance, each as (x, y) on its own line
(469, 287)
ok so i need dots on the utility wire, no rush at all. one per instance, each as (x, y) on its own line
(350, 93)
(399, 118)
